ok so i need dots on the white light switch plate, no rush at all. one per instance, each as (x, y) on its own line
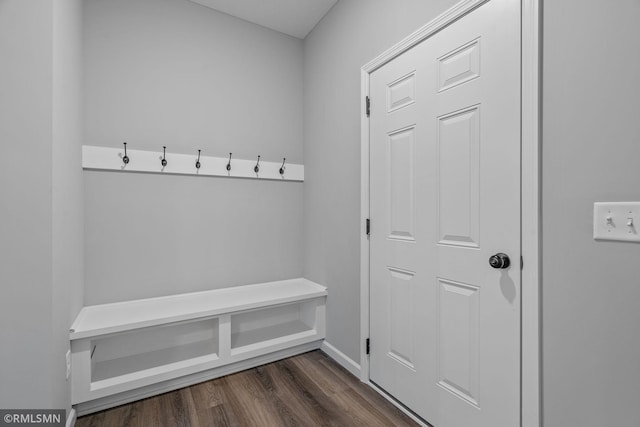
(616, 221)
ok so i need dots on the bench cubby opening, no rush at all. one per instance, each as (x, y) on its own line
(262, 328)
(150, 350)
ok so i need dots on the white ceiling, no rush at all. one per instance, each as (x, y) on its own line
(294, 17)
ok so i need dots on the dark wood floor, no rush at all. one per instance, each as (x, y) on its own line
(306, 390)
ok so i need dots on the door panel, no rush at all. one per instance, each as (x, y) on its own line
(402, 92)
(458, 335)
(445, 196)
(401, 191)
(401, 317)
(458, 165)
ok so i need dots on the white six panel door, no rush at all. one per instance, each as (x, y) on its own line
(445, 197)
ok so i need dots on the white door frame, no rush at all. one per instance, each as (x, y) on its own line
(530, 195)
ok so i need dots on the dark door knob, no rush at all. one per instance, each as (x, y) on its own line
(499, 261)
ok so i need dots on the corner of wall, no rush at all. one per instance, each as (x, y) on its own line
(67, 193)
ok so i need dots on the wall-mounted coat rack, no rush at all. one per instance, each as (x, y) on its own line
(108, 158)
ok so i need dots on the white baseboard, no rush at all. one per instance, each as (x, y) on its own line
(71, 418)
(342, 359)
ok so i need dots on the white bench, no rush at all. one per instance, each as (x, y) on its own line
(130, 350)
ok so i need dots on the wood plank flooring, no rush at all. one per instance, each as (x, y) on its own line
(306, 390)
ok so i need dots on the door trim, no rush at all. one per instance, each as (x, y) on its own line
(531, 406)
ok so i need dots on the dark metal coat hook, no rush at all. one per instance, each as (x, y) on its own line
(229, 164)
(125, 159)
(198, 161)
(282, 167)
(256, 168)
(164, 156)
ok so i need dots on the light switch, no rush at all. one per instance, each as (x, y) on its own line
(616, 221)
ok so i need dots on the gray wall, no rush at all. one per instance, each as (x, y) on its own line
(25, 205)
(353, 33)
(591, 152)
(172, 72)
(41, 203)
(149, 235)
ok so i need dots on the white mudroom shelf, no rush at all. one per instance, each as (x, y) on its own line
(121, 348)
(109, 158)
